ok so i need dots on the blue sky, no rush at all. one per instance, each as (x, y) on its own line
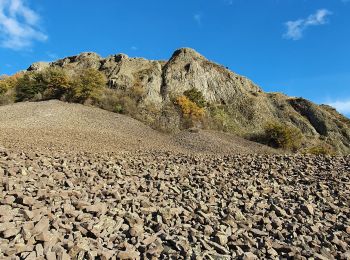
(299, 47)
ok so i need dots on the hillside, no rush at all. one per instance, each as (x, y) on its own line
(233, 102)
(59, 126)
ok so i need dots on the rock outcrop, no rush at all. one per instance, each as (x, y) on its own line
(249, 107)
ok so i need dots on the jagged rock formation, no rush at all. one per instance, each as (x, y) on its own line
(250, 108)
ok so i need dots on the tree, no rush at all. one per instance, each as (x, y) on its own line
(88, 85)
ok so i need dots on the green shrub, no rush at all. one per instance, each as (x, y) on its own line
(196, 96)
(321, 149)
(279, 135)
(50, 83)
(118, 101)
(54, 82)
(87, 84)
(220, 120)
(118, 108)
(27, 87)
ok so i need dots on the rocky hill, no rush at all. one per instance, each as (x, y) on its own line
(80, 182)
(245, 105)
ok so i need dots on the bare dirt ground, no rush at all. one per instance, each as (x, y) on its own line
(81, 183)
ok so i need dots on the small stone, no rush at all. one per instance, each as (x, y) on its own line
(39, 250)
(149, 240)
(259, 232)
(31, 256)
(308, 209)
(208, 230)
(221, 239)
(51, 256)
(41, 226)
(348, 230)
(128, 254)
(24, 172)
(136, 230)
(11, 232)
(99, 208)
(249, 256)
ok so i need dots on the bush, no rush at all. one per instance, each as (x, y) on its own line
(27, 87)
(8, 82)
(220, 120)
(279, 135)
(118, 101)
(88, 84)
(118, 109)
(136, 92)
(4, 86)
(51, 83)
(191, 112)
(321, 149)
(8, 97)
(195, 96)
(54, 82)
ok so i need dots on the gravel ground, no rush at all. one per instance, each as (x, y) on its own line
(67, 191)
(162, 205)
(58, 126)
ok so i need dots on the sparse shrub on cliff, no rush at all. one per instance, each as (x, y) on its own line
(279, 135)
(121, 101)
(220, 120)
(196, 96)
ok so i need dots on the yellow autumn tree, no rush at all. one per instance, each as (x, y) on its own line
(190, 110)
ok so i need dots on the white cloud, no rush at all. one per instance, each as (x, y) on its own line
(295, 29)
(19, 25)
(342, 106)
(198, 18)
(134, 48)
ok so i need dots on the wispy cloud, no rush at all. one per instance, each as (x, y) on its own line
(295, 29)
(19, 25)
(134, 48)
(342, 106)
(198, 18)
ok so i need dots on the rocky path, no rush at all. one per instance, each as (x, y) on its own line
(173, 206)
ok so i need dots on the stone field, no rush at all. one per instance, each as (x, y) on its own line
(162, 205)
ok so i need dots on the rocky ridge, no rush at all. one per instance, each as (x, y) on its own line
(249, 107)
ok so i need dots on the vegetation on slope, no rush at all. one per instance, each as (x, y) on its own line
(186, 110)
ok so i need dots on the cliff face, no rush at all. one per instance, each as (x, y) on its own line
(249, 107)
